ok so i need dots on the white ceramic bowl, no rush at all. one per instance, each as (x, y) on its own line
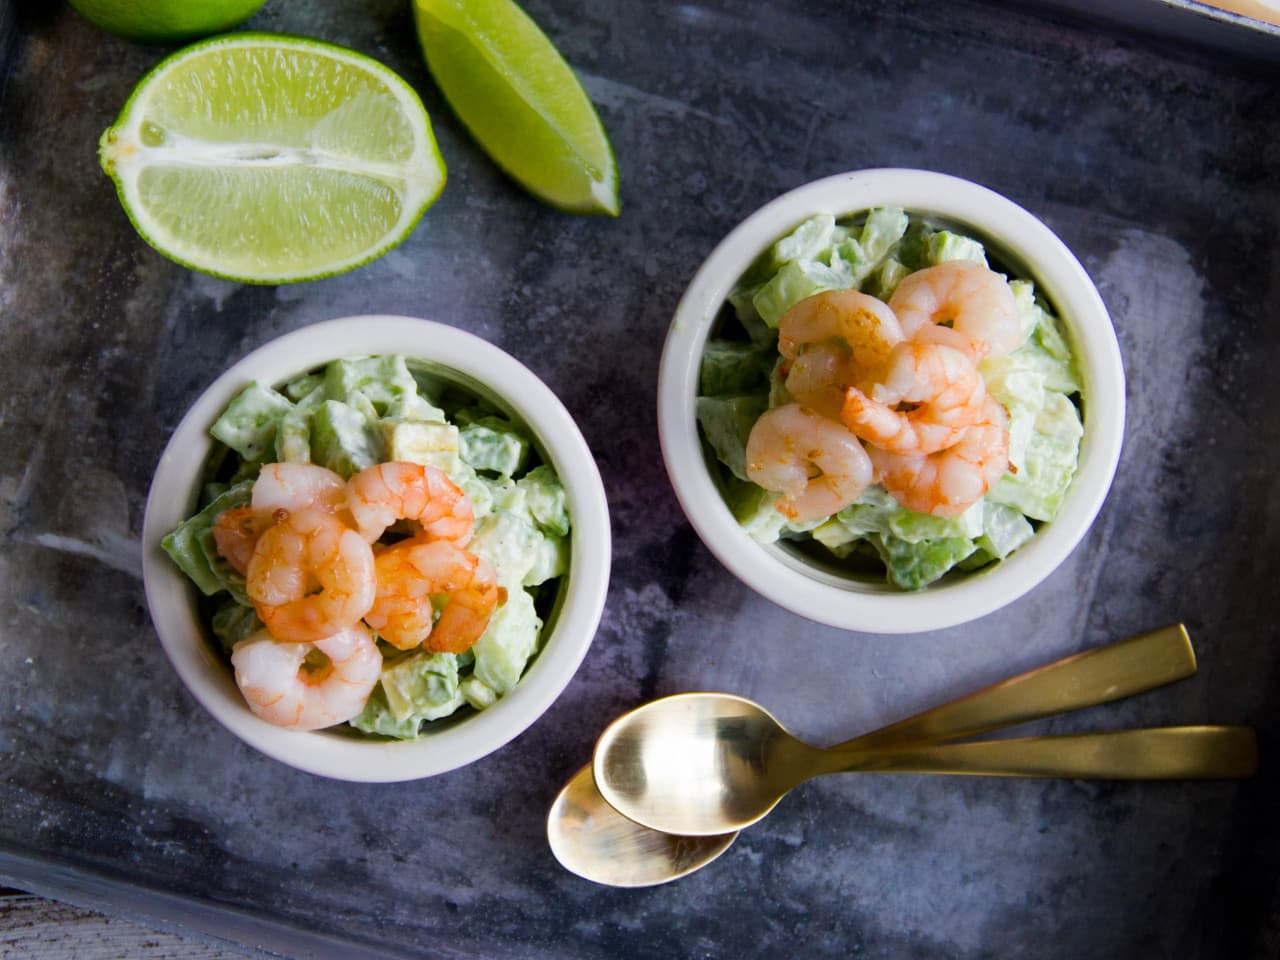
(473, 363)
(1031, 250)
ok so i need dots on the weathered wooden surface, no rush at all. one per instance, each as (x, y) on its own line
(32, 928)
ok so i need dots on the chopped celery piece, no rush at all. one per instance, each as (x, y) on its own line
(944, 245)
(183, 545)
(796, 281)
(913, 566)
(731, 367)
(384, 381)
(234, 621)
(248, 425)
(1038, 489)
(726, 424)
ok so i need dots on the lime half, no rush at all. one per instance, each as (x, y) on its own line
(165, 21)
(272, 159)
(519, 98)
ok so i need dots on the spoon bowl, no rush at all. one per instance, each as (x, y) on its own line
(596, 842)
(700, 763)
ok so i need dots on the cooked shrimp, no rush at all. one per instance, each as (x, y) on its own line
(409, 575)
(310, 576)
(279, 486)
(402, 613)
(949, 481)
(294, 486)
(973, 299)
(380, 495)
(236, 532)
(816, 463)
(467, 612)
(857, 322)
(307, 686)
(818, 377)
(943, 388)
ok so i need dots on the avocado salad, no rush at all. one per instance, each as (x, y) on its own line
(742, 376)
(355, 413)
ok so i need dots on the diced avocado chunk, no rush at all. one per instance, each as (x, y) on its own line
(343, 439)
(508, 497)
(546, 499)
(508, 643)
(477, 693)
(303, 386)
(510, 543)
(491, 443)
(551, 559)
(377, 718)
(422, 685)
(417, 441)
(477, 488)
(248, 425)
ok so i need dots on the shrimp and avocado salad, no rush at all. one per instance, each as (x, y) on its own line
(882, 398)
(375, 546)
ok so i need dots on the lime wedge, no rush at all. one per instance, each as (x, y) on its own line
(272, 159)
(521, 101)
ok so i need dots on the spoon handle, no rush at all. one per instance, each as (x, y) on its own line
(1106, 673)
(1154, 753)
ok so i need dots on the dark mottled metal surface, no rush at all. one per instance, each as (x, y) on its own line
(1159, 164)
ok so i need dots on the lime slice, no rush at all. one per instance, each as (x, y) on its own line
(164, 21)
(507, 82)
(271, 159)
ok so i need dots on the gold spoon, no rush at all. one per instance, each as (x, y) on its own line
(705, 763)
(708, 763)
(593, 840)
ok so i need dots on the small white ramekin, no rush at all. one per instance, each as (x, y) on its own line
(472, 363)
(1032, 250)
